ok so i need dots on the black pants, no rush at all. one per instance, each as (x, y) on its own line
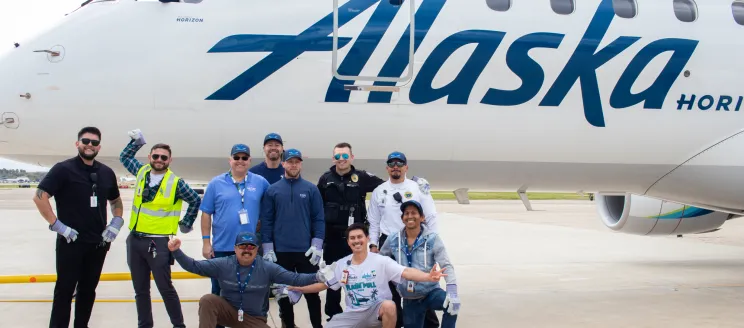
(141, 263)
(78, 264)
(430, 321)
(299, 263)
(333, 250)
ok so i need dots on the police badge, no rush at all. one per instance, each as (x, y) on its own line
(354, 177)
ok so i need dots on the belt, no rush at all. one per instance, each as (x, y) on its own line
(146, 235)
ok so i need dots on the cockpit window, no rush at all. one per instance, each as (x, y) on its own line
(625, 8)
(499, 5)
(737, 8)
(563, 7)
(685, 10)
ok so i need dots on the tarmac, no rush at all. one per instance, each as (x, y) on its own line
(556, 266)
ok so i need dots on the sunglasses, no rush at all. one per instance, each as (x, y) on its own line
(158, 156)
(339, 156)
(237, 158)
(87, 141)
(394, 164)
(247, 246)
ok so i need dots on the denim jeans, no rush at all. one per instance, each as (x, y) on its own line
(415, 310)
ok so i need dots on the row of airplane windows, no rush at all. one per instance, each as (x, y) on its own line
(685, 10)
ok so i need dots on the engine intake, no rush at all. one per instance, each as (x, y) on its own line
(640, 215)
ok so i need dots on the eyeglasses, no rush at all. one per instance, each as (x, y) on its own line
(339, 156)
(247, 246)
(237, 158)
(158, 156)
(87, 141)
(396, 163)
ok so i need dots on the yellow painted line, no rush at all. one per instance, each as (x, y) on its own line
(115, 276)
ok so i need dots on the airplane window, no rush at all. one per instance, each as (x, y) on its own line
(685, 10)
(499, 5)
(625, 8)
(563, 7)
(738, 10)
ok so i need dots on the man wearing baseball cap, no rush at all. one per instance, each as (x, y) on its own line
(271, 168)
(416, 246)
(245, 281)
(384, 213)
(293, 229)
(231, 204)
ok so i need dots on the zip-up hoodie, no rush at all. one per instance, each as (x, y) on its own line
(292, 215)
(427, 251)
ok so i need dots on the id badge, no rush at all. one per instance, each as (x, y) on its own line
(243, 216)
(410, 287)
(240, 315)
(351, 220)
(93, 201)
(345, 277)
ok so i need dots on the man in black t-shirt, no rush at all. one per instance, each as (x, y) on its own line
(81, 187)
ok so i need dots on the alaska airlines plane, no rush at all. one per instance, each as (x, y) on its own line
(637, 100)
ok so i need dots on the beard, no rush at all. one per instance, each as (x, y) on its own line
(274, 155)
(292, 173)
(86, 156)
(159, 166)
(395, 174)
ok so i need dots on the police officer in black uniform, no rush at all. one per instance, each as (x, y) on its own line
(344, 190)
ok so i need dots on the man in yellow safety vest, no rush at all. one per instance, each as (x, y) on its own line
(156, 210)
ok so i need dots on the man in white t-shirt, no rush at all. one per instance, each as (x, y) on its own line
(365, 277)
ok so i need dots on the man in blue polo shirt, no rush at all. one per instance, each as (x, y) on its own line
(230, 205)
(271, 168)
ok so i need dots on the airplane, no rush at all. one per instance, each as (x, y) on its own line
(637, 101)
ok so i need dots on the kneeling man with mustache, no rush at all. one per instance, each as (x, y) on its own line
(244, 282)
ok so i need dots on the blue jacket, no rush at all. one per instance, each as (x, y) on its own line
(426, 252)
(292, 215)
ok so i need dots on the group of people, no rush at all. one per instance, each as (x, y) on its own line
(283, 235)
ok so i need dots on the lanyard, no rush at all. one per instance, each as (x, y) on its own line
(241, 191)
(241, 287)
(409, 252)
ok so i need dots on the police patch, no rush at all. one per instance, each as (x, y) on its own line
(408, 194)
(354, 177)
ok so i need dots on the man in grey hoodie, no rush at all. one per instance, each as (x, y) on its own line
(244, 281)
(417, 247)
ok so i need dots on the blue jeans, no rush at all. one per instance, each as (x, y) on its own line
(414, 311)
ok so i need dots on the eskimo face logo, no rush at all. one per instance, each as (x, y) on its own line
(580, 70)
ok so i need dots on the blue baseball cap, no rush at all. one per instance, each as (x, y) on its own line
(246, 237)
(240, 148)
(292, 153)
(411, 202)
(397, 155)
(273, 136)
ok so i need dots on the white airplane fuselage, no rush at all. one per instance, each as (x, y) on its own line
(523, 99)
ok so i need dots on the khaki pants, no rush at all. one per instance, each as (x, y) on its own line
(214, 310)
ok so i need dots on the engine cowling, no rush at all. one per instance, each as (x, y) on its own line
(640, 215)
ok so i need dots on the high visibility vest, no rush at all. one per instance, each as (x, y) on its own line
(161, 215)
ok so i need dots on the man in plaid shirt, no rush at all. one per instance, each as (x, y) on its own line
(155, 211)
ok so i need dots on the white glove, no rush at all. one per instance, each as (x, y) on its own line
(423, 184)
(137, 136)
(452, 301)
(315, 251)
(281, 291)
(269, 254)
(327, 274)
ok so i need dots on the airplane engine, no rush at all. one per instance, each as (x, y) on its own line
(640, 215)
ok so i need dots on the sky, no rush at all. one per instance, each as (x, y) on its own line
(9, 164)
